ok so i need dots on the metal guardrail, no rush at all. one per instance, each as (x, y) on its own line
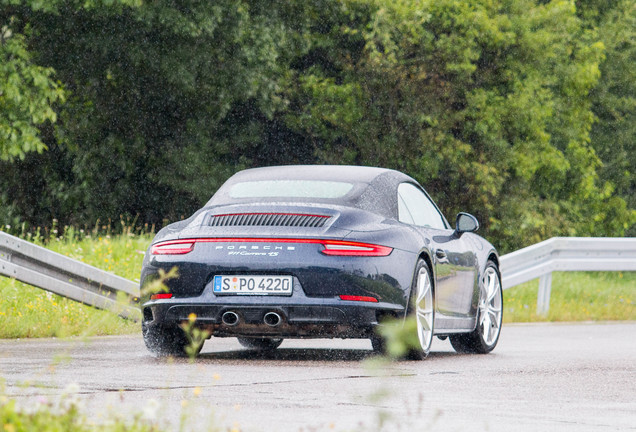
(67, 277)
(70, 278)
(565, 254)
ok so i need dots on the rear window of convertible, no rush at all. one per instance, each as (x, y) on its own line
(290, 189)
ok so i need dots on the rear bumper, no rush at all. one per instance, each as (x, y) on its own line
(314, 309)
(301, 316)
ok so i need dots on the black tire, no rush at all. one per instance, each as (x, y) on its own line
(162, 341)
(484, 338)
(422, 309)
(260, 344)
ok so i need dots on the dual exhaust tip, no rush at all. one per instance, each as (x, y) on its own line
(230, 319)
(272, 319)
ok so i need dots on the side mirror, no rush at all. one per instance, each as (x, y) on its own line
(466, 223)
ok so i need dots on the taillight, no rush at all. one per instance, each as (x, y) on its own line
(359, 298)
(160, 296)
(347, 248)
(176, 247)
(331, 247)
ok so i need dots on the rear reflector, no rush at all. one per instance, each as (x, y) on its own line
(331, 247)
(161, 296)
(359, 298)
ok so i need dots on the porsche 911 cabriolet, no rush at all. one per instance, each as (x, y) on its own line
(322, 252)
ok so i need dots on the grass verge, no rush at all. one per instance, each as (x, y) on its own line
(26, 311)
(576, 296)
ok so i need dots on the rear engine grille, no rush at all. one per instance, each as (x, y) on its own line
(269, 219)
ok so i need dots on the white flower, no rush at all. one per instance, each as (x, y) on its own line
(151, 409)
(70, 398)
(71, 388)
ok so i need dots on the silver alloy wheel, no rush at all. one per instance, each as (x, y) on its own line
(490, 307)
(424, 309)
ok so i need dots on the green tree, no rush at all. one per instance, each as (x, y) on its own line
(28, 94)
(486, 103)
(144, 130)
(519, 111)
(613, 134)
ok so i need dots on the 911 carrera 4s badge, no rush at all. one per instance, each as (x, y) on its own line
(255, 250)
(253, 285)
(247, 253)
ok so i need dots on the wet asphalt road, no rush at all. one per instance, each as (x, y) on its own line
(541, 377)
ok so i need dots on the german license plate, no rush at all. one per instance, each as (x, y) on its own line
(253, 285)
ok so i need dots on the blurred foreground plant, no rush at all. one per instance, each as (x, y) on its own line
(158, 284)
(62, 415)
(195, 335)
(400, 337)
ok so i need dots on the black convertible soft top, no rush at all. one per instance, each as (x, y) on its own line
(375, 189)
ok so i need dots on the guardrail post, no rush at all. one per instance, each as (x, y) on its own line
(543, 298)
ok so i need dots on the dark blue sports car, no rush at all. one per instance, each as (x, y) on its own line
(322, 252)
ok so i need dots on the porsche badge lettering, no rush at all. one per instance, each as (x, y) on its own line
(256, 250)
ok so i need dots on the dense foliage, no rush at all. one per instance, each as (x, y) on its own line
(519, 111)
